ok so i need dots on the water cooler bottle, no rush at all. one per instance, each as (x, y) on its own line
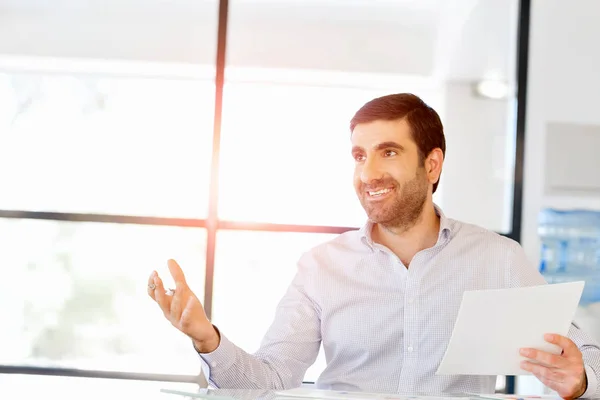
(570, 251)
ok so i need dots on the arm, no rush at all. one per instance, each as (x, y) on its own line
(289, 348)
(587, 352)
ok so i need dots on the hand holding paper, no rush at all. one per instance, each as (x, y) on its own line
(493, 325)
(564, 373)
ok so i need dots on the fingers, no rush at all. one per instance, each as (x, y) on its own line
(544, 358)
(563, 373)
(151, 285)
(543, 373)
(551, 377)
(163, 300)
(569, 347)
(568, 383)
(171, 303)
(177, 274)
(176, 308)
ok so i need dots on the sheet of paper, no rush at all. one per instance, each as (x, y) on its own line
(492, 325)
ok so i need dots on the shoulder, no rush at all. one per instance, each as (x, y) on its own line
(478, 235)
(336, 252)
(505, 253)
(345, 243)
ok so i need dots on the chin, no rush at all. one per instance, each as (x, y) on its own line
(378, 218)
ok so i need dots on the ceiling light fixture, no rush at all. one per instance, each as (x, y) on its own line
(492, 89)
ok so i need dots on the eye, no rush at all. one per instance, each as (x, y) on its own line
(389, 153)
(358, 157)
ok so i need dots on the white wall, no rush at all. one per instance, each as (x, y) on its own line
(476, 182)
(563, 86)
(478, 169)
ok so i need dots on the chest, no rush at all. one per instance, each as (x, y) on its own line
(380, 305)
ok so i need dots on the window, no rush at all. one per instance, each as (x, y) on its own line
(105, 145)
(294, 144)
(70, 388)
(78, 297)
(252, 272)
(315, 78)
(115, 156)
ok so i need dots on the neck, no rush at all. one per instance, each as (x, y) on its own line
(405, 242)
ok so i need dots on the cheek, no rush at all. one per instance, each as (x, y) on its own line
(356, 175)
(357, 183)
(400, 171)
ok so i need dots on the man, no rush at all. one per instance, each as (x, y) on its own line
(383, 300)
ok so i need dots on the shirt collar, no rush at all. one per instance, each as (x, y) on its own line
(443, 236)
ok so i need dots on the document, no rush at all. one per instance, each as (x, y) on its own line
(492, 325)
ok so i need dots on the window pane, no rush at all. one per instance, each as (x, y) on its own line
(297, 162)
(291, 91)
(69, 388)
(250, 281)
(98, 144)
(78, 295)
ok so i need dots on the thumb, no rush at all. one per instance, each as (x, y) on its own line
(177, 274)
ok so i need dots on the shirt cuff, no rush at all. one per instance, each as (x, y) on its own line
(592, 383)
(222, 358)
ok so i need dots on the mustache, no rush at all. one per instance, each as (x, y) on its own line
(378, 184)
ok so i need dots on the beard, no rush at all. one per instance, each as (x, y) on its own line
(402, 209)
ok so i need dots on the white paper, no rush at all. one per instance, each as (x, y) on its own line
(492, 325)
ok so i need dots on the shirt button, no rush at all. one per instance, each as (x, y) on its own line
(410, 348)
(213, 364)
(411, 300)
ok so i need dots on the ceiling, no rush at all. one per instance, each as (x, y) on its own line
(450, 39)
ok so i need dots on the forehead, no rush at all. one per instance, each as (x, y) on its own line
(372, 133)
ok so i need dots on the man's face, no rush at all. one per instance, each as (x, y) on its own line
(389, 178)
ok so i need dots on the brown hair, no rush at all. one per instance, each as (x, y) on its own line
(425, 124)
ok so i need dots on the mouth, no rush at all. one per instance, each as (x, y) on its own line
(379, 194)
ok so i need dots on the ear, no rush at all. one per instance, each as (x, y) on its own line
(433, 165)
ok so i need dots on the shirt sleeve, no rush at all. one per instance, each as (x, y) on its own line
(592, 380)
(522, 273)
(289, 348)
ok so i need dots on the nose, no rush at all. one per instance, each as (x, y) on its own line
(370, 171)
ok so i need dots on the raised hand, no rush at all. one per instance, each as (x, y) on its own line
(183, 309)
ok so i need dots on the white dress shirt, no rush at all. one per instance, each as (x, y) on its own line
(384, 328)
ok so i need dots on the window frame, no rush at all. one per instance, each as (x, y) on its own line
(213, 224)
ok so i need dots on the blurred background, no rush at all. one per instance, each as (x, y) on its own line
(216, 133)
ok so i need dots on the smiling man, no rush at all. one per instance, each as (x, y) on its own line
(383, 300)
(393, 175)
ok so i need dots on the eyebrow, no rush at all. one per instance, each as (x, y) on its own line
(389, 145)
(381, 146)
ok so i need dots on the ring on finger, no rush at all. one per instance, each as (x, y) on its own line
(151, 286)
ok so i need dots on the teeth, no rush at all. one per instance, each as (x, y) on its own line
(379, 192)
